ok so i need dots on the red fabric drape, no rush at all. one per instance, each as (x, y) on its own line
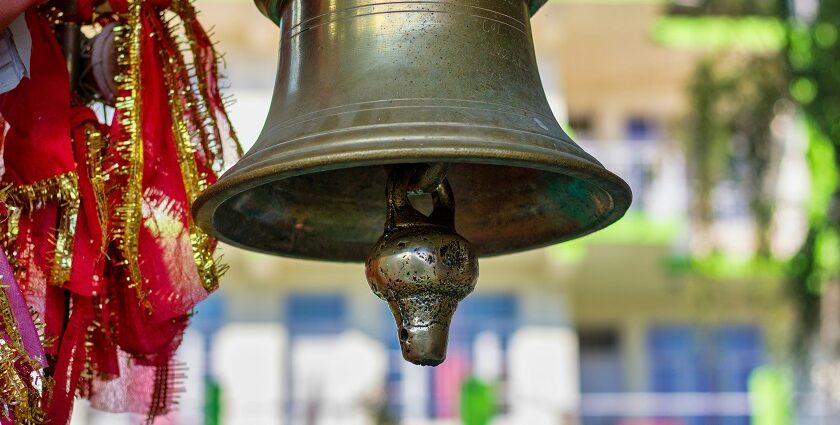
(99, 221)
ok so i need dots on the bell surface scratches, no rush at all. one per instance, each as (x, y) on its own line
(421, 266)
(363, 84)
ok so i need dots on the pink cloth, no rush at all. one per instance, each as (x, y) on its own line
(25, 325)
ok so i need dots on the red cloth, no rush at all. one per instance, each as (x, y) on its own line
(37, 148)
(115, 331)
(87, 276)
(38, 112)
(170, 280)
(151, 320)
(70, 361)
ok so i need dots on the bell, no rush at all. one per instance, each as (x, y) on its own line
(365, 85)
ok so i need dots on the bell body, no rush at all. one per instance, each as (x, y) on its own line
(366, 83)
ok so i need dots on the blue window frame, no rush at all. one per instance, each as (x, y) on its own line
(481, 313)
(497, 313)
(316, 314)
(710, 360)
(601, 363)
(311, 314)
(478, 313)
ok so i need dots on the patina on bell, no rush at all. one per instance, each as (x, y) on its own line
(420, 265)
(364, 84)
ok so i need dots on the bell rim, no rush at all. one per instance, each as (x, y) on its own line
(237, 181)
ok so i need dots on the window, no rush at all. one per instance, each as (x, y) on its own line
(434, 393)
(314, 323)
(601, 369)
(315, 314)
(685, 359)
(639, 128)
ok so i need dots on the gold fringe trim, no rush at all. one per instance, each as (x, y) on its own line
(95, 143)
(177, 81)
(63, 189)
(20, 396)
(194, 183)
(9, 235)
(214, 145)
(20, 399)
(194, 128)
(129, 214)
(202, 244)
(169, 385)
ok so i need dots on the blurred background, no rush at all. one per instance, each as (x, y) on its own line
(715, 301)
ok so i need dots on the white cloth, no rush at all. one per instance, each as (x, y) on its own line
(15, 52)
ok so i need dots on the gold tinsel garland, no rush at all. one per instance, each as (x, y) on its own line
(128, 212)
(182, 96)
(24, 199)
(213, 144)
(21, 395)
(95, 141)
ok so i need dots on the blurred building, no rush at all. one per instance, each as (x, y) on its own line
(602, 331)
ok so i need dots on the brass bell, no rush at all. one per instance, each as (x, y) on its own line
(366, 84)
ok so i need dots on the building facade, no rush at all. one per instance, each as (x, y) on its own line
(609, 330)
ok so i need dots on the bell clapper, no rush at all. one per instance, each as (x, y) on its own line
(421, 266)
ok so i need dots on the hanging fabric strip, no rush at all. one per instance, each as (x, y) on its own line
(62, 189)
(38, 158)
(127, 153)
(223, 146)
(98, 221)
(188, 124)
(23, 384)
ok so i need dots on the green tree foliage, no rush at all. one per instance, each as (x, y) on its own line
(813, 54)
(725, 8)
(734, 102)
